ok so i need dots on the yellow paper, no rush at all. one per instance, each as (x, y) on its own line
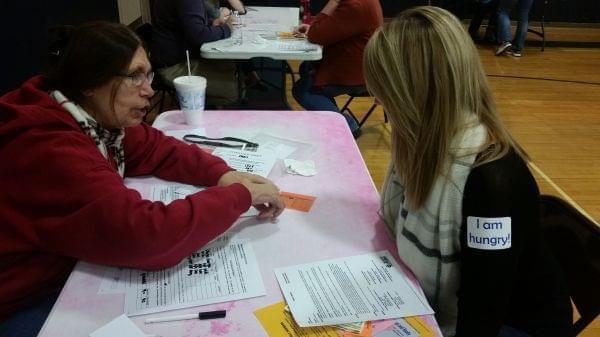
(279, 323)
(419, 324)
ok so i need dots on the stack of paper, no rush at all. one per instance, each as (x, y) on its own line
(352, 289)
(359, 296)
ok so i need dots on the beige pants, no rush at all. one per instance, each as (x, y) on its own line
(221, 76)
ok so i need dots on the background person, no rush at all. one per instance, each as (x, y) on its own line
(481, 9)
(215, 12)
(343, 28)
(506, 43)
(69, 139)
(457, 177)
(180, 25)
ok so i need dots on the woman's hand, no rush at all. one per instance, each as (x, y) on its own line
(330, 7)
(225, 12)
(264, 194)
(302, 30)
(225, 16)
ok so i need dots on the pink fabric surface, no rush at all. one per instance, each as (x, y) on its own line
(342, 222)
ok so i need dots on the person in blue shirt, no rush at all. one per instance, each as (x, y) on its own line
(180, 25)
(506, 43)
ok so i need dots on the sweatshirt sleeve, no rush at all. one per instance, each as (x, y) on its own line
(81, 208)
(499, 207)
(340, 25)
(149, 151)
(195, 24)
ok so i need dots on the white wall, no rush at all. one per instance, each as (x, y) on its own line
(129, 11)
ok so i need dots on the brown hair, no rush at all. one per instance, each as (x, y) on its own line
(89, 56)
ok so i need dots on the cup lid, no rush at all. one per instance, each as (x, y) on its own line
(190, 80)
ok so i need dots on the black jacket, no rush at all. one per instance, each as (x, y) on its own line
(520, 286)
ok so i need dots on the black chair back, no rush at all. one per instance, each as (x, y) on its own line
(361, 93)
(161, 87)
(144, 31)
(575, 242)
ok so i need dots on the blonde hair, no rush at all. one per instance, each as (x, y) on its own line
(425, 70)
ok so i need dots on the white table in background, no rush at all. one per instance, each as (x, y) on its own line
(260, 22)
(265, 21)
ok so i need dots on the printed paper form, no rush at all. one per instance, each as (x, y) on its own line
(115, 279)
(260, 162)
(169, 192)
(352, 289)
(222, 271)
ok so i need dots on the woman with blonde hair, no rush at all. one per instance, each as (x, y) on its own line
(458, 195)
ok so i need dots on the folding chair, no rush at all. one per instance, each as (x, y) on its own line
(575, 242)
(346, 107)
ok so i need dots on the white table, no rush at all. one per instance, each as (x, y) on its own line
(259, 31)
(259, 39)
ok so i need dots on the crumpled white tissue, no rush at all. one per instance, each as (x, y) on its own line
(304, 168)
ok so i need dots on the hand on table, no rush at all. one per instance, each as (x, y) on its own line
(264, 194)
(224, 19)
(302, 30)
(229, 21)
(225, 12)
(218, 22)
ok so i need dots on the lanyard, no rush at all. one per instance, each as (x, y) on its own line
(222, 142)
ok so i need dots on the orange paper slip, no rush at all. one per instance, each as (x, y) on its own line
(298, 202)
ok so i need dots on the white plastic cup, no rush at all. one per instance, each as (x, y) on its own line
(191, 93)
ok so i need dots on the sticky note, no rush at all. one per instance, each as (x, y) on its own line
(489, 233)
(298, 202)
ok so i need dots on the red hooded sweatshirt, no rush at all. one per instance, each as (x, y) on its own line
(61, 200)
(344, 35)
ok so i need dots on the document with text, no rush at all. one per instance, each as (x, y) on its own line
(351, 289)
(225, 270)
(260, 162)
(167, 193)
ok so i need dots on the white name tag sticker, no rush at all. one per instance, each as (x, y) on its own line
(488, 233)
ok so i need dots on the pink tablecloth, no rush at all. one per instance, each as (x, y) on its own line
(342, 222)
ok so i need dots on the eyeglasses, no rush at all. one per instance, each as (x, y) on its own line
(136, 79)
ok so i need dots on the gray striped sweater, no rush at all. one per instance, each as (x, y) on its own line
(428, 239)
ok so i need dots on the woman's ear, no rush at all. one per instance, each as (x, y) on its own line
(88, 93)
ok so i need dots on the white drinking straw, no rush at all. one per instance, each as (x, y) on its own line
(187, 55)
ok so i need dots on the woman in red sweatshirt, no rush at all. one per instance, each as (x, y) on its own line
(67, 140)
(343, 28)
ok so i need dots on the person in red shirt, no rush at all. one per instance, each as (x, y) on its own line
(67, 140)
(343, 28)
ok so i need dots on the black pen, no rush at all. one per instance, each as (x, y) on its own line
(200, 315)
